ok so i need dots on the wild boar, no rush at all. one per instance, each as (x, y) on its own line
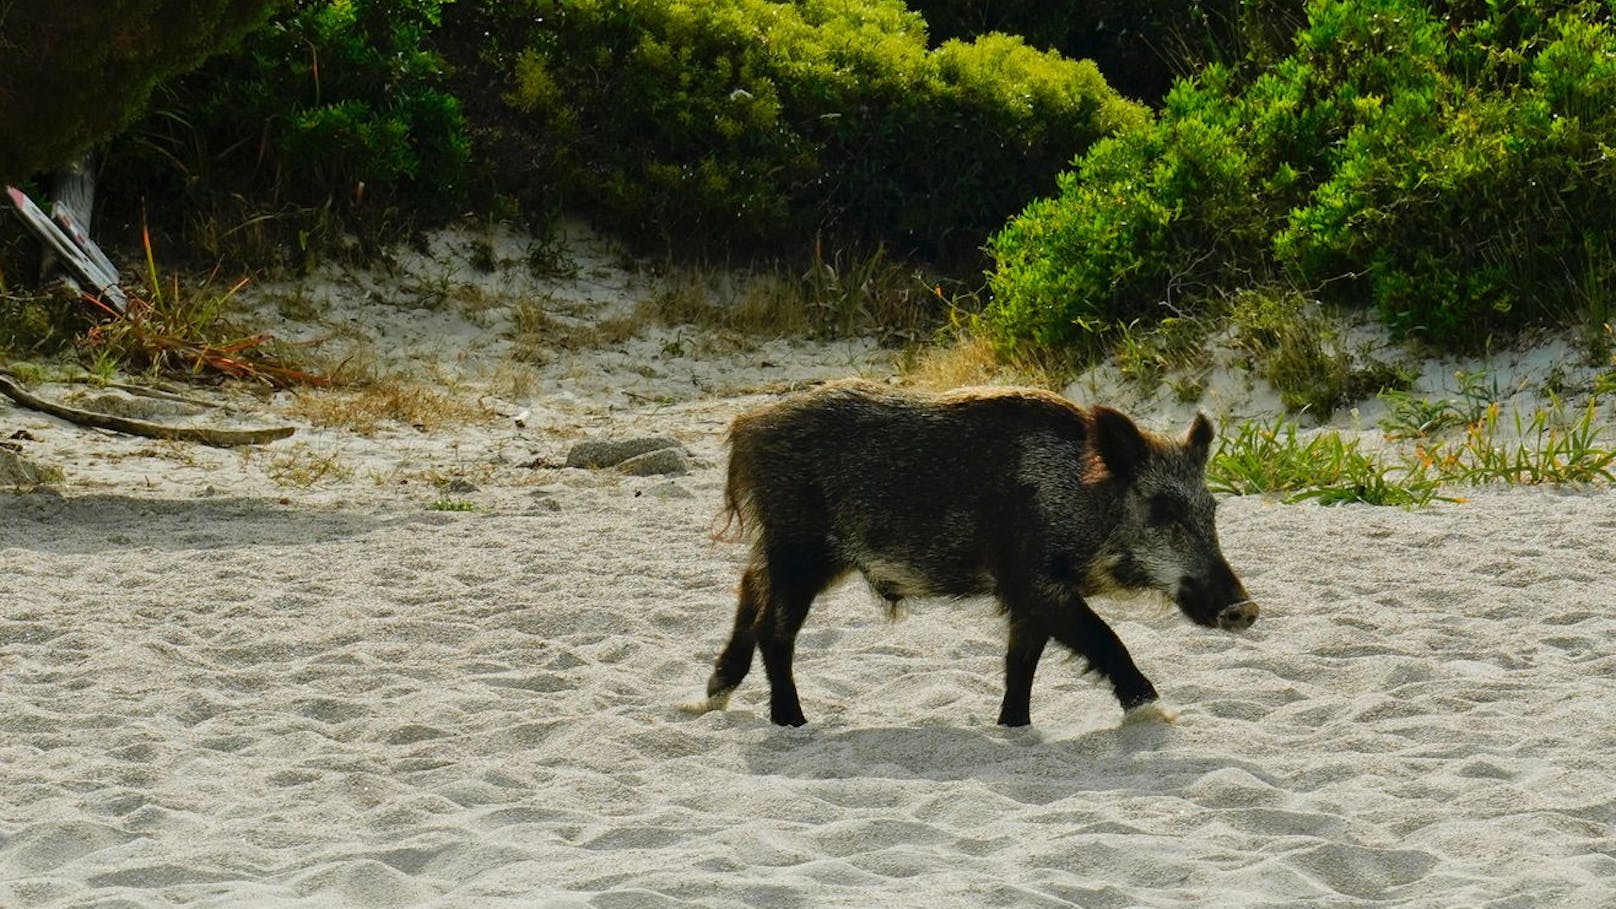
(1017, 493)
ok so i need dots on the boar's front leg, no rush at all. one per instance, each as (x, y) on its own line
(1027, 640)
(1034, 619)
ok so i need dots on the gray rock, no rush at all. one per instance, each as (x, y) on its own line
(597, 453)
(15, 470)
(670, 490)
(653, 463)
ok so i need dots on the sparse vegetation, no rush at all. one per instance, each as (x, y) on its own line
(1411, 417)
(371, 405)
(448, 504)
(1274, 457)
(970, 359)
(174, 330)
(844, 294)
(1550, 446)
(1440, 163)
(537, 332)
(303, 467)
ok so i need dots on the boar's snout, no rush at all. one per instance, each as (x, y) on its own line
(1217, 601)
(1238, 617)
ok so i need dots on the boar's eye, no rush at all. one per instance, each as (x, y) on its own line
(1165, 509)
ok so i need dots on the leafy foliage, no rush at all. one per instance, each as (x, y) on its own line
(750, 122)
(334, 103)
(1140, 45)
(74, 76)
(1451, 168)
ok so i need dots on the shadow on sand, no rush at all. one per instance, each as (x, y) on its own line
(47, 522)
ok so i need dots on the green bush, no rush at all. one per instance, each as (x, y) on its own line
(1141, 46)
(749, 123)
(1450, 170)
(334, 102)
(75, 74)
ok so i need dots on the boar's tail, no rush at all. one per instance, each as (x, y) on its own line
(738, 488)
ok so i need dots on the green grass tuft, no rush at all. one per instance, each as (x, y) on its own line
(1550, 447)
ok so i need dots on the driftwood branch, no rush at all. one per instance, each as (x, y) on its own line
(219, 438)
(160, 391)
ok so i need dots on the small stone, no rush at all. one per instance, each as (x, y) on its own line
(670, 490)
(15, 470)
(653, 463)
(597, 453)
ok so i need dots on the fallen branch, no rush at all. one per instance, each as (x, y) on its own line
(219, 438)
(164, 392)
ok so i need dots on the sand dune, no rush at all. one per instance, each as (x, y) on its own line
(231, 702)
(221, 690)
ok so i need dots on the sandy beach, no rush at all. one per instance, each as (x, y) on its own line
(446, 672)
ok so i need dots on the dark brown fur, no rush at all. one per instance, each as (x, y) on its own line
(1017, 493)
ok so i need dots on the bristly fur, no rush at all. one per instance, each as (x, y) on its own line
(1015, 493)
(737, 489)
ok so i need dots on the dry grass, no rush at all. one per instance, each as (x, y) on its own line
(844, 295)
(973, 360)
(368, 407)
(303, 468)
(751, 306)
(536, 332)
(183, 331)
(513, 381)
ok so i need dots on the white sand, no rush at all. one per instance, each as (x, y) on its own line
(218, 690)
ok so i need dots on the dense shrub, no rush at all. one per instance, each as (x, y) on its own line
(1141, 46)
(335, 102)
(74, 74)
(734, 123)
(1452, 170)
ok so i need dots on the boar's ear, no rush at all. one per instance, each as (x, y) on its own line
(1121, 445)
(1199, 440)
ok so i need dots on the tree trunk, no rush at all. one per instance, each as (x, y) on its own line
(68, 247)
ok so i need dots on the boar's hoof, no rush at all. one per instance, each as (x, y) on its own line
(707, 705)
(1149, 712)
(1238, 617)
(787, 716)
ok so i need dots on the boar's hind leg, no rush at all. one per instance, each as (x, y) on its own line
(736, 660)
(796, 575)
(1027, 640)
